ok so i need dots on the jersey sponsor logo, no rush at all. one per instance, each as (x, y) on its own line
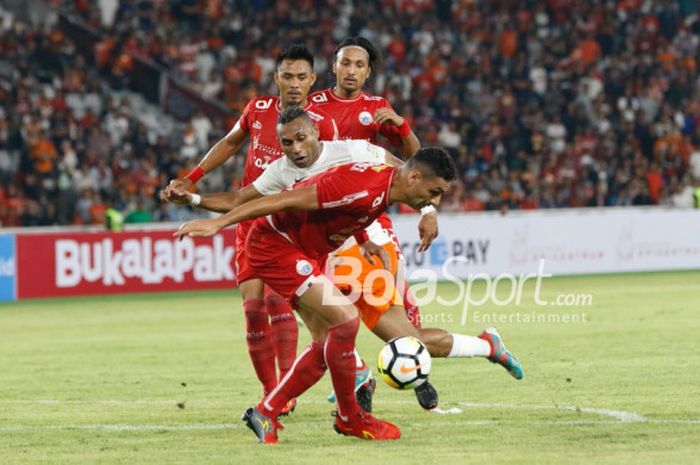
(263, 162)
(257, 146)
(304, 268)
(347, 200)
(257, 125)
(299, 179)
(263, 104)
(320, 98)
(365, 118)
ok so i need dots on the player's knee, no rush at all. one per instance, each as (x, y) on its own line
(340, 314)
(254, 310)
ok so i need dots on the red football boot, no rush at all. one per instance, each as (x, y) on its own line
(365, 426)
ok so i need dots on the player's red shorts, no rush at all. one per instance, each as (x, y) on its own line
(278, 263)
(243, 270)
(374, 291)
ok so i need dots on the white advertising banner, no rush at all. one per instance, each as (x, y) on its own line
(574, 241)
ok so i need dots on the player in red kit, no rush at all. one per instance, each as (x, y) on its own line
(383, 312)
(285, 250)
(360, 115)
(271, 329)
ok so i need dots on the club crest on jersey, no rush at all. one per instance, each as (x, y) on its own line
(257, 125)
(365, 118)
(304, 268)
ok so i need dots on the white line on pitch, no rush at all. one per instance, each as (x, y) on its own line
(307, 425)
(618, 415)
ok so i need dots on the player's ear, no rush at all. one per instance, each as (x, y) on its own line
(334, 67)
(414, 176)
(313, 79)
(276, 78)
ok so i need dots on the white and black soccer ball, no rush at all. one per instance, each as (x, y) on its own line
(404, 363)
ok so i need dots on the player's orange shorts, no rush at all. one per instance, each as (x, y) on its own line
(373, 287)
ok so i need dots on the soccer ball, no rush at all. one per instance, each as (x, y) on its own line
(404, 363)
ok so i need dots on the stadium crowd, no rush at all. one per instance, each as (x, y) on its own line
(543, 103)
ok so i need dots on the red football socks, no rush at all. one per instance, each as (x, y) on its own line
(339, 353)
(260, 348)
(306, 370)
(284, 330)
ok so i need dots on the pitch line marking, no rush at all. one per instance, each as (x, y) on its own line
(116, 428)
(618, 415)
(621, 416)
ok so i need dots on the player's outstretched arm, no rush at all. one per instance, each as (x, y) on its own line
(215, 157)
(223, 202)
(303, 198)
(220, 202)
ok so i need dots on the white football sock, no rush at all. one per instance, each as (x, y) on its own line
(469, 346)
(358, 360)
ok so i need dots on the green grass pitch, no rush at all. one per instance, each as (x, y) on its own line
(99, 380)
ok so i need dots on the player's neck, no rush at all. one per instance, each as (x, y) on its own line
(303, 104)
(397, 189)
(346, 95)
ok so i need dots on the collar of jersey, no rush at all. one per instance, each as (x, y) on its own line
(330, 91)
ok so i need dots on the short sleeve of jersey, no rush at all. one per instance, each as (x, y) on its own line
(390, 131)
(243, 121)
(272, 180)
(363, 151)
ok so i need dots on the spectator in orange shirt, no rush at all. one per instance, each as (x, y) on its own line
(655, 181)
(508, 43)
(44, 153)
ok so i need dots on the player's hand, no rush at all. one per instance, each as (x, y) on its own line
(370, 250)
(387, 116)
(177, 192)
(427, 230)
(197, 228)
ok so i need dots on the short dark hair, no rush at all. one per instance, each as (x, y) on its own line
(291, 113)
(434, 161)
(374, 56)
(296, 52)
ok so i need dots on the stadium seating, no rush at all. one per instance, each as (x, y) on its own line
(546, 105)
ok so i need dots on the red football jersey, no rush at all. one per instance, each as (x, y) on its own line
(355, 117)
(259, 120)
(350, 197)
